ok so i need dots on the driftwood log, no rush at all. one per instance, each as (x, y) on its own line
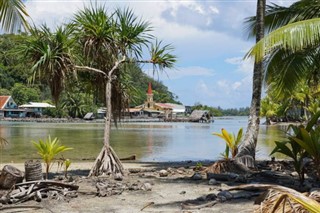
(38, 190)
(131, 157)
(10, 176)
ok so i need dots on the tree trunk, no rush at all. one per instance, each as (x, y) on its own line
(247, 151)
(107, 161)
(10, 176)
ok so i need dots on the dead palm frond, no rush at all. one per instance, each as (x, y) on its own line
(3, 142)
(282, 199)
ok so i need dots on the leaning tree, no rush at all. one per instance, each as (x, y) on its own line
(108, 42)
(247, 151)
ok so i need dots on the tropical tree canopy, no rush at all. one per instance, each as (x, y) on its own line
(291, 53)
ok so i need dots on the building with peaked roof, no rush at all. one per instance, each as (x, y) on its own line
(152, 109)
(35, 109)
(201, 116)
(9, 108)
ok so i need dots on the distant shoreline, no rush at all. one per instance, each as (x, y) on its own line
(75, 120)
(127, 120)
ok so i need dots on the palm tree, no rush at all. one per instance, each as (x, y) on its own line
(269, 109)
(285, 69)
(108, 42)
(13, 14)
(247, 151)
(48, 149)
(294, 37)
(50, 54)
(277, 16)
(74, 103)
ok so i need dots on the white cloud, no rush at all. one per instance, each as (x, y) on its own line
(181, 73)
(202, 32)
(243, 66)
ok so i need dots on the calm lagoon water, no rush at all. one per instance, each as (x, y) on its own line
(149, 141)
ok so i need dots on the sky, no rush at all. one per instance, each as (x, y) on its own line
(209, 38)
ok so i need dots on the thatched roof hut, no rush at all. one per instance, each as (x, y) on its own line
(200, 116)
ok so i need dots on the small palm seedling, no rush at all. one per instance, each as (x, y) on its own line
(67, 164)
(232, 142)
(48, 149)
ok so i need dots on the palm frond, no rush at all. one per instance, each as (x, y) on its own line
(282, 199)
(50, 54)
(285, 70)
(161, 56)
(293, 37)
(278, 16)
(131, 33)
(12, 15)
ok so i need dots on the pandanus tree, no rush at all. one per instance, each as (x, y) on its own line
(13, 15)
(109, 41)
(50, 55)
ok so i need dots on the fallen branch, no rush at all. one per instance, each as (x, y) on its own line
(50, 183)
(38, 190)
(19, 207)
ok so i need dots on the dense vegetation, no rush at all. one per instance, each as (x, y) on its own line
(78, 98)
(291, 60)
(218, 111)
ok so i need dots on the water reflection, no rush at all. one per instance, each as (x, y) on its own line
(149, 141)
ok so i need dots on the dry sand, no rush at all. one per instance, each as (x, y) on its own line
(167, 194)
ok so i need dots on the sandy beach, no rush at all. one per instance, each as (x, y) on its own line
(167, 194)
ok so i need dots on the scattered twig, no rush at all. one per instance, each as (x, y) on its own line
(190, 206)
(147, 205)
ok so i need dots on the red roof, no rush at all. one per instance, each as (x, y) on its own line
(165, 106)
(3, 101)
(149, 89)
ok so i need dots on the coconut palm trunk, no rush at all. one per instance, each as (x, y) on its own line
(247, 151)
